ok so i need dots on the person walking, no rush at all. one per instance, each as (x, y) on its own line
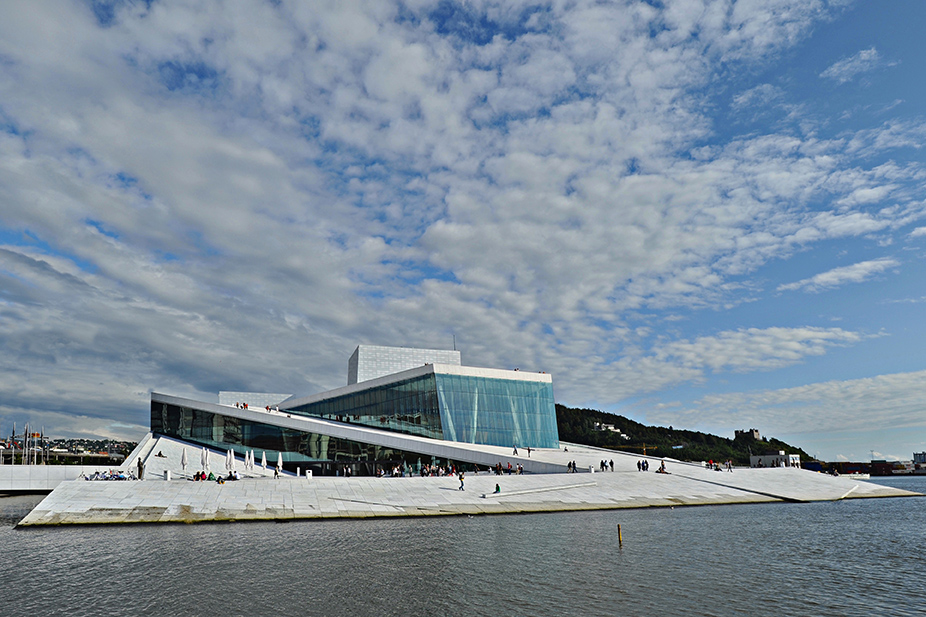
(461, 480)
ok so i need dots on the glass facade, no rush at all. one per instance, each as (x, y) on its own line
(409, 406)
(497, 412)
(478, 410)
(323, 454)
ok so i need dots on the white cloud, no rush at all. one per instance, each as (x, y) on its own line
(891, 135)
(855, 273)
(847, 69)
(747, 350)
(197, 198)
(758, 96)
(893, 400)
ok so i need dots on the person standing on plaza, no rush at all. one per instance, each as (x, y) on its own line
(461, 479)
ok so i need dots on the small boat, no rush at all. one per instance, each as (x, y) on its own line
(857, 476)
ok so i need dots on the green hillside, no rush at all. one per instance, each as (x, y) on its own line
(579, 426)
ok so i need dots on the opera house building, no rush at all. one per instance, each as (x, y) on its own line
(402, 408)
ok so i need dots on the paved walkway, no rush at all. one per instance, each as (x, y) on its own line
(361, 497)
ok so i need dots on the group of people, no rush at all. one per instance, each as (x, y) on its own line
(112, 474)
(438, 471)
(718, 466)
(396, 472)
(499, 470)
(200, 476)
(775, 463)
(266, 407)
(603, 465)
(427, 470)
(643, 465)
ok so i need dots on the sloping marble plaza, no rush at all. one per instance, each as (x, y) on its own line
(262, 498)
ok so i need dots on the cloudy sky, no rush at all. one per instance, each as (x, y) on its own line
(701, 214)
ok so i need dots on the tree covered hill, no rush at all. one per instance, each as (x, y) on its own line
(583, 426)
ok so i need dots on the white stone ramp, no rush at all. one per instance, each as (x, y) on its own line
(788, 483)
(171, 451)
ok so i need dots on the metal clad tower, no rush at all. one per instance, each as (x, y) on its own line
(372, 361)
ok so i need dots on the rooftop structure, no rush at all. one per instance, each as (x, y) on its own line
(372, 361)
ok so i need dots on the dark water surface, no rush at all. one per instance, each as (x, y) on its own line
(854, 557)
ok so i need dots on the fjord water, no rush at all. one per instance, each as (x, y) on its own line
(853, 557)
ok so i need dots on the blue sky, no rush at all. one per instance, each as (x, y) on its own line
(700, 214)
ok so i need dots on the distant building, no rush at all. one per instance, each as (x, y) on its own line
(776, 460)
(601, 426)
(752, 433)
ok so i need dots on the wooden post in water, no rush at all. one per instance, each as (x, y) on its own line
(620, 540)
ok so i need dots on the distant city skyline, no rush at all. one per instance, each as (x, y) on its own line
(710, 215)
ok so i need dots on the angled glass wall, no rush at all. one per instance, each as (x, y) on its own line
(409, 406)
(477, 410)
(497, 412)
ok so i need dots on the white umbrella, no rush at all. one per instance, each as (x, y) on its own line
(251, 460)
(204, 458)
(232, 460)
(228, 460)
(183, 460)
(280, 460)
(263, 460)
